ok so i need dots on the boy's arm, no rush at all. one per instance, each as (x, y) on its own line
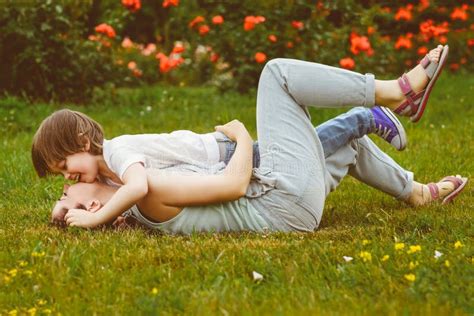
(134, 189)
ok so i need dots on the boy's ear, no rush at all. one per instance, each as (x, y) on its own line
(93, 206)
(86, 142)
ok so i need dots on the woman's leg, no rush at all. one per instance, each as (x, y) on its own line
(292, 158)
(365, 161)
(289, 147)
(362, 159)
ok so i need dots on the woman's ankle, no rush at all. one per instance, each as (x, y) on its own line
(388, 93)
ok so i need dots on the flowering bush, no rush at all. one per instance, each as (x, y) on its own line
(44, 54)
(228, 43)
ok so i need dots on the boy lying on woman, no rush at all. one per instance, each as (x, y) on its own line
(184, 182)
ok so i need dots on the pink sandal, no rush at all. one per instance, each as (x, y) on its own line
(459, 184)
(415, 103)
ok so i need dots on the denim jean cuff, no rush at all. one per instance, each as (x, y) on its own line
(369, 90)
(406, 192)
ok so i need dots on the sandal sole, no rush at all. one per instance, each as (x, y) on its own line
(450, 197)
(421, 109)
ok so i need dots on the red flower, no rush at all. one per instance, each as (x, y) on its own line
(214, 57)
(204, 29)
(250, 21)
(404, 13)
(360, 44)
(260, 57)
(272, 38)
(168, 63)
(218, 19)
(297, 25)
(178, 49)
(196, 20)
(459, 14)
(424, 4)
(429, 29)
(422, 51)
(168, 3)
(290, 44)
(137, 72)
(403, 42)
(370, 30)
(470, 42)
(443, 39)
(347, 63)
(105, 29)
(132, 5)
(454, 66)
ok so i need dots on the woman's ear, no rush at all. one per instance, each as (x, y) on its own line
(93, 206)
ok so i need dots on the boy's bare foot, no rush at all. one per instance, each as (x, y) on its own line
(445, 190)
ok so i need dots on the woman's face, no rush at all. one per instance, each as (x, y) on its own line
(80, 195)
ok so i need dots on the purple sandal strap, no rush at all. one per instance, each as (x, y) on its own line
(455, 181)
(411, 104)
(405, 84)
(429, 66)
(434, 191)
(425, 61)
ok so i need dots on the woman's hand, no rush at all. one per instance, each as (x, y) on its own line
(234, 130)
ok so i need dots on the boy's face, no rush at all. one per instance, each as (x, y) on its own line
(80, 167)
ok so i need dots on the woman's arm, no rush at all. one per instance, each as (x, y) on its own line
(179, 189)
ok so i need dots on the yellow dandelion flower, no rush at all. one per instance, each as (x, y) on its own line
(13, 312)
(472, 260)
(36, 254)
(399, 246)
(41, 302)
(32, 311)
(365, 242)
(47, 311)
(410, 277)
(154, 291)
(447, 263)
(413, 265)
(6, 279)
(365, 256)
(458, 244)
(414, 249)
(28, 272)
(23, 263)
(385, 258)
(13, 272)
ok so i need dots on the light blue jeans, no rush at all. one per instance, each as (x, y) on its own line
(295, 172)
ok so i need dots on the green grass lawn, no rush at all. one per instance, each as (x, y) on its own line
(73, 271)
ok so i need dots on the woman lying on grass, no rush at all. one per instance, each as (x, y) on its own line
(288, 189)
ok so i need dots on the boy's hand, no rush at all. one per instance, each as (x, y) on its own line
(234, 130)
(81, 218)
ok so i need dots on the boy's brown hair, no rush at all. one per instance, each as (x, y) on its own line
(63, 133)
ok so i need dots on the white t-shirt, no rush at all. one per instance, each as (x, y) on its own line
(180, 150)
